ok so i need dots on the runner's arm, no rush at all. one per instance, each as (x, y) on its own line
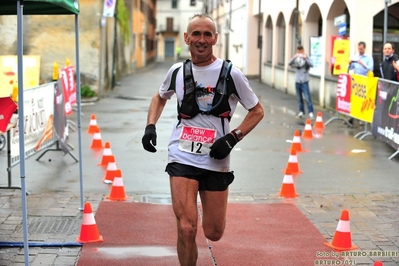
(253, 117)
(156, 107)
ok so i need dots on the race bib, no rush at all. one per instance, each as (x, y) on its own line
(196, 140)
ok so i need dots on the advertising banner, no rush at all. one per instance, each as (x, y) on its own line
(60, 120)
(316, 47)
(7, 108)
(9, 73)
(362, 100)
(69, 87)
(340, 56)
(385, 124)
(38, 111)
(343, 98)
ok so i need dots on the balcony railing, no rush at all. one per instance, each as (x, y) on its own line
(164, 29)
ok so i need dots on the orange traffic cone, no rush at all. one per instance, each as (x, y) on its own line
(378, 263)
(308, 132)
(97, 143)
(117, 190)
(288, 188)
(296, 144)
(319, 122)
(342, 237)
(292, 165)
(111, 171)
(106, 155)
(92, 125)
(89, 230)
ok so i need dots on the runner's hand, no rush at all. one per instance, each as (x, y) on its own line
(222, 147)
(150, 136)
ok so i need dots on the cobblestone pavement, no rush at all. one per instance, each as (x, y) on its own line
(374, 223)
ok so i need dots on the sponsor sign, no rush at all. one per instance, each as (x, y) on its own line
(385, 124)
(362, 100)
(343, 104)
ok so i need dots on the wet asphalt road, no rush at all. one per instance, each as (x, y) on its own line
(340, 171)
(336, 163)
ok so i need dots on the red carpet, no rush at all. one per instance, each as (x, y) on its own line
(256, 234)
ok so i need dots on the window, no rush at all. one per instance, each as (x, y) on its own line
(281, 40)
(174, 4)
(269, 40)
(169, 24)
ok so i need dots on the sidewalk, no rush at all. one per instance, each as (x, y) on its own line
(335, 178)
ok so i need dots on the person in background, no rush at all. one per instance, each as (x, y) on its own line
(301, 62)
(201, 139)
(361, 64)
(389, 67)
(178, 51)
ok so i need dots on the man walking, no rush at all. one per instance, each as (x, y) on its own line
(208, 90)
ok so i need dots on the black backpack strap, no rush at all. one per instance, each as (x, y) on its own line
(172, 85)
(189, 83)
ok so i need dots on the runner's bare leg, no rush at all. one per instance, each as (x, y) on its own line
(214, 207)
(184, 199)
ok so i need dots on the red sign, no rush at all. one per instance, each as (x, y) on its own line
(343, 94)
(7, 108)
(69, 86)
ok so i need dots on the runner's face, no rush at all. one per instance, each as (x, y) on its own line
(200, 37)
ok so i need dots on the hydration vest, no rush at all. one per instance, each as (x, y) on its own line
(190, 107)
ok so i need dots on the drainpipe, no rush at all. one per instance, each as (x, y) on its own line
(296, 21)
(260, 42)
(384, 39)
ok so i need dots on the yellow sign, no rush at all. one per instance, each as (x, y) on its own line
(341, 54)
(363, 95)
(9, 73)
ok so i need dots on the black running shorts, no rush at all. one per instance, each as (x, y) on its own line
(208, 180)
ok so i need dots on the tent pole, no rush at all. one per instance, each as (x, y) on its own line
(21, 121)
(78, 97)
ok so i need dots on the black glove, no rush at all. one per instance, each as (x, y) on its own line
(222, 147)
(150, 136)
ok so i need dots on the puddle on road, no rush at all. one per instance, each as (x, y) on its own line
(137, 251)
(357, 151)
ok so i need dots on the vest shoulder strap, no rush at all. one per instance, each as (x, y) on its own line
(172, 85)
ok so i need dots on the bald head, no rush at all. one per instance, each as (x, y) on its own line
(201, 17)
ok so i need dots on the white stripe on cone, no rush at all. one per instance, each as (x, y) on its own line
(288, 179)
(107, 152)
(293, 159)
(93, 122)
(88, 219)
(97, 136)
(343, 226)
(111, 166)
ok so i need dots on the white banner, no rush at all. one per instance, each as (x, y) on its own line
(38, 112)
(316, 46)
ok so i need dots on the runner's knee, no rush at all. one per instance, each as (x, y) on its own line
(214, 234)
(187, 229)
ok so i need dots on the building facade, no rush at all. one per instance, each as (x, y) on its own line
(172, 19)
(260, 37)
(110, 47)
